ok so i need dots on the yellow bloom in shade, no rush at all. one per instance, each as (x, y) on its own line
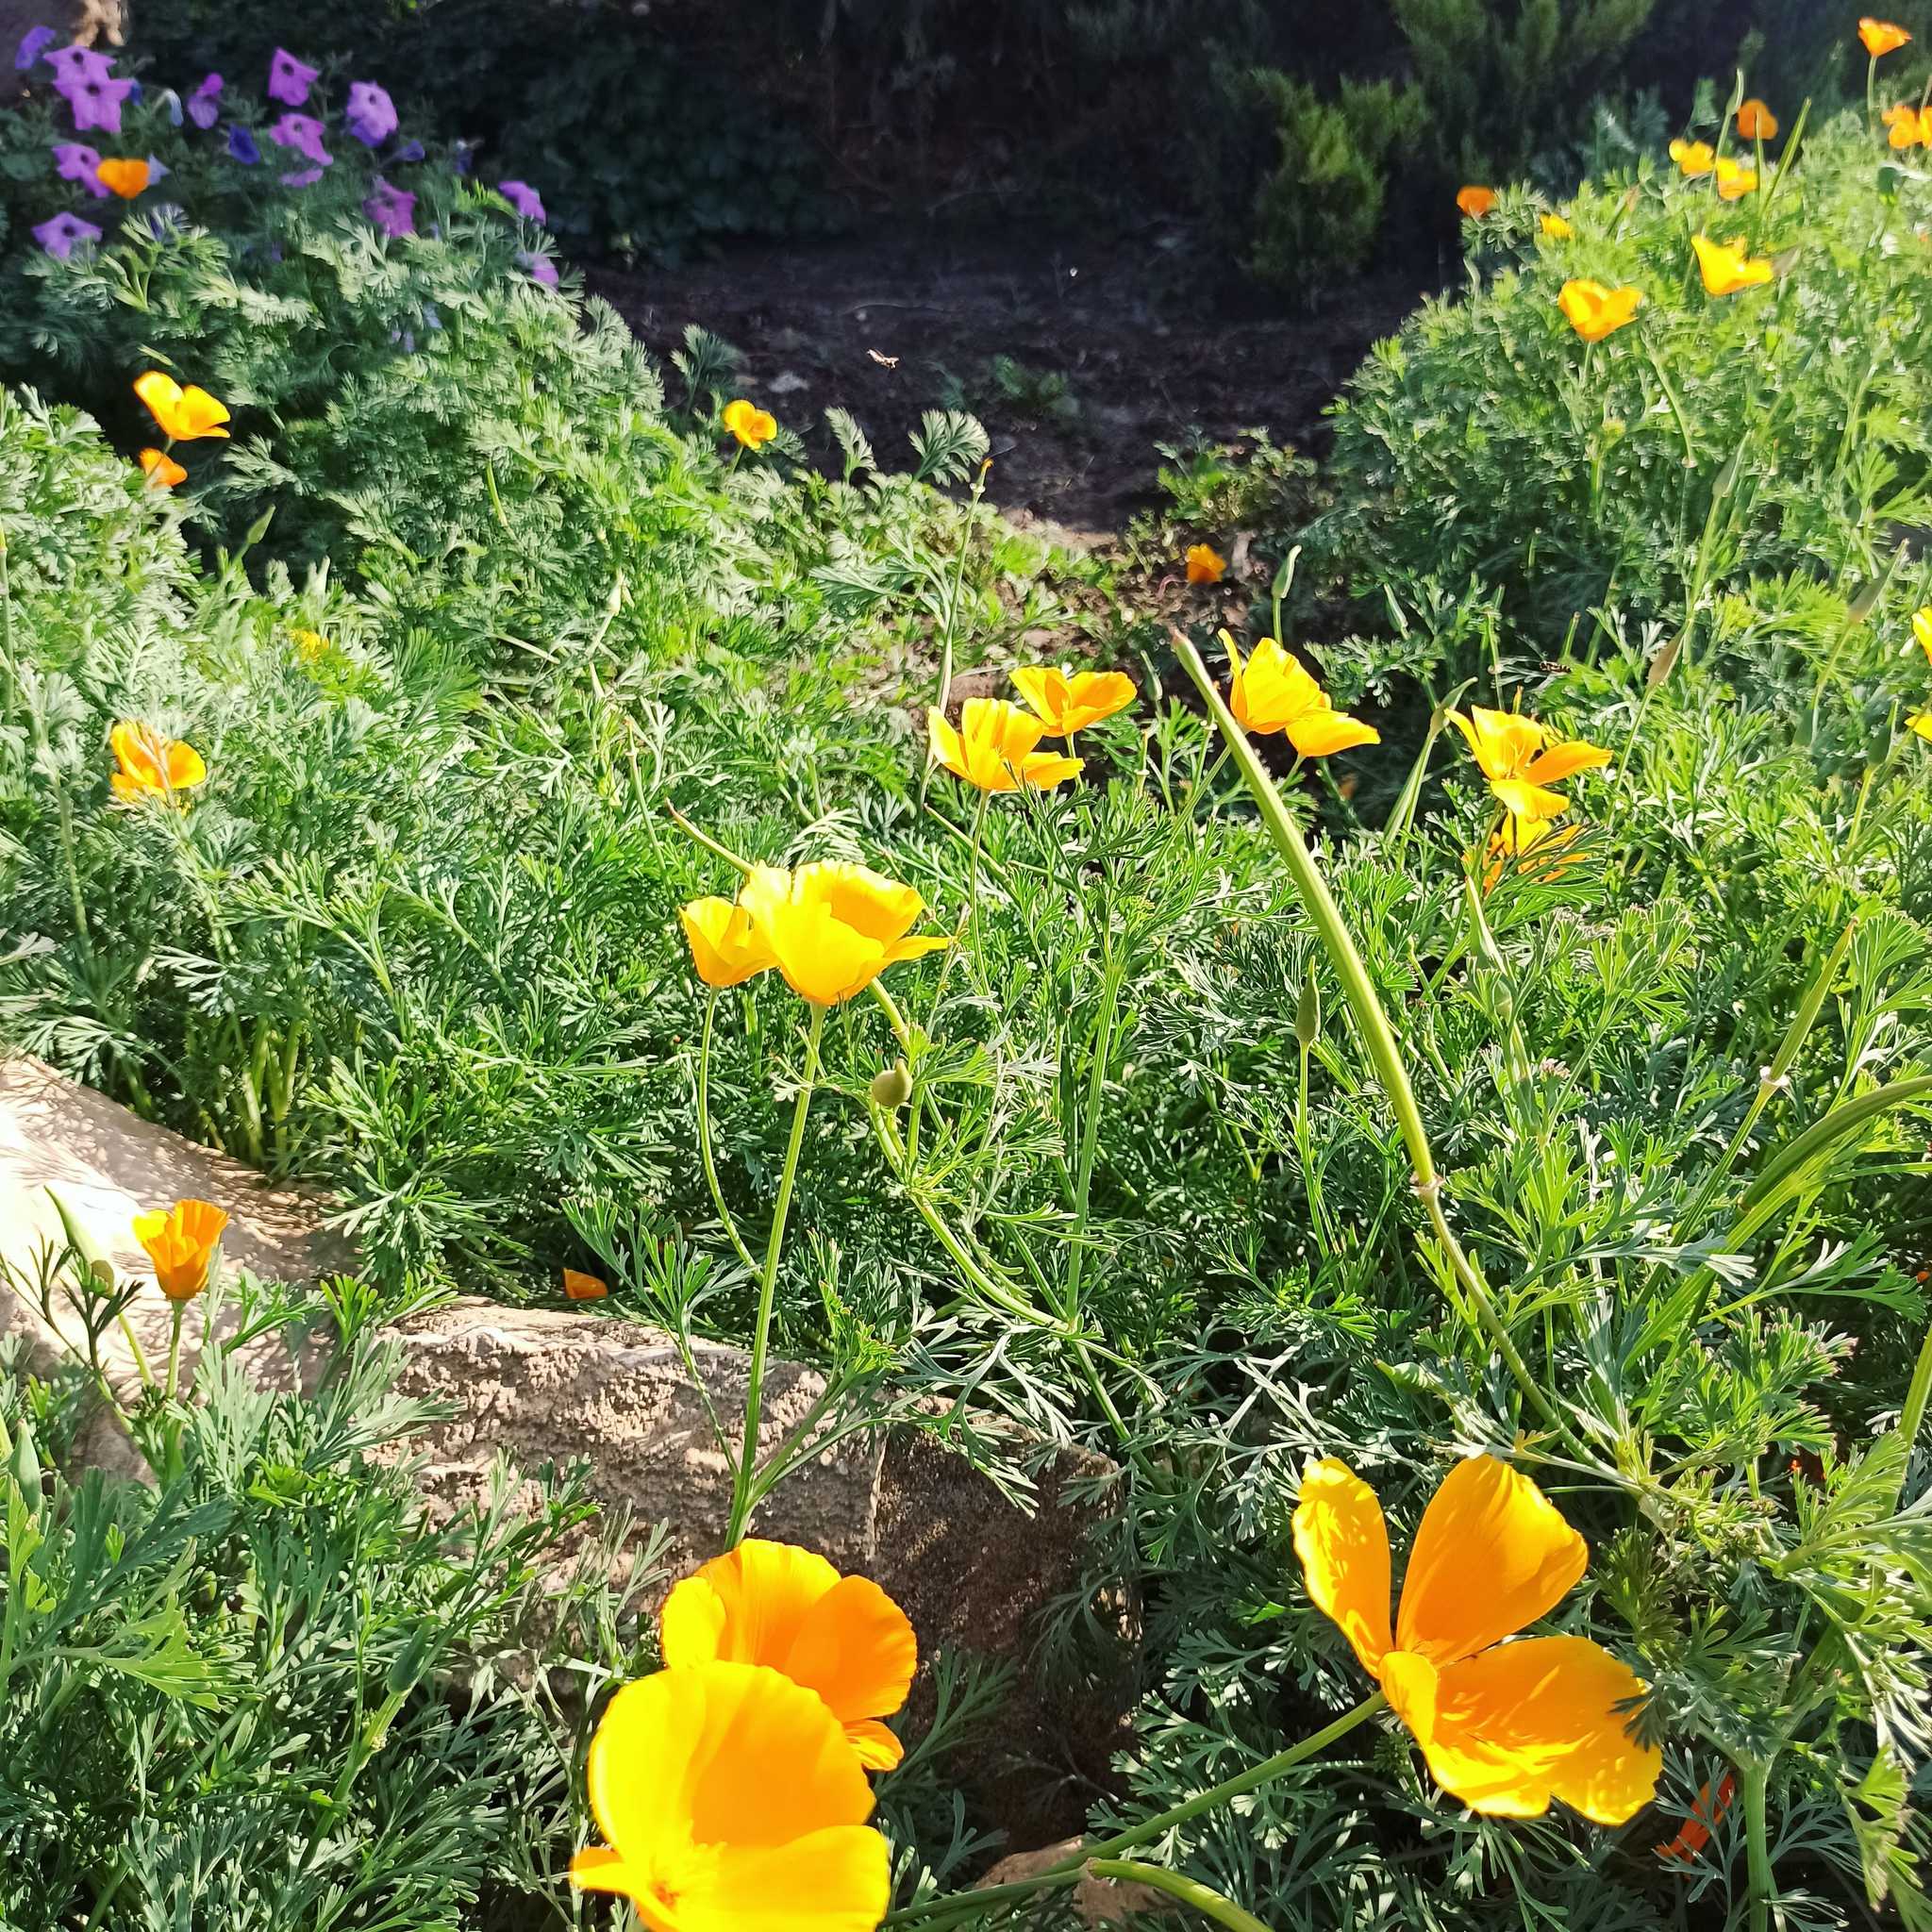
(1555, 227)
(1693, 157)
(123, 177)
(152, 766)
(1272, 693)
(309, 645)
(1539, 847)
(1755, 122)
(181, 1243)
(724, 948)
(1476, 202)
(185, 415)
(1205, 564)
(1070, 702)
(841, 1638)
(1921, 629)
(1522, 761)
(993, 749)
(161, 470)
(1881, 36)
(1733, 181)
(1594, 311)
(580, 1286)
(832, 928)
(752, 425)
(1505, 1726)
(732, 1802)
(1726, 267)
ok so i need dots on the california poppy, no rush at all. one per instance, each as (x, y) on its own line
(126, 178)
(1272, 693)
(1909, 126)
(832, 928)
(161, 470)
(731, 1801)
(1205, 564)
(1555, 227)
(1726, 269)
(724, 947)
(841, 1638)
(1539, 848)
(1521, 760)
(1733, 181)
(1506, 1726)
(1921, 722)
(185, 415)
(752, 425)
(1696, 1830)
(580, 1286)
(1070, 701)
(993, 747)
(1596, 311)
(1881, 36)
(1921, 629)
(1755, 122)
(181, 1243)
(152, 766)
(1476, 202)
(1693, 157)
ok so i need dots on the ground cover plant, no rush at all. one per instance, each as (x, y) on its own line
(519, 788)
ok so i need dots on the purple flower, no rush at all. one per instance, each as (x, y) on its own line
(63, 233)
(204, 103)
(33, 44)
(157, 171)
(79, 64)
(302, 178)
(393, 210)
(241, 146)
(89, 88)
(289, 79)
(524, 198)
(72, 162)
(411, 151)
(302, 132)
(540, 267)
(371, 116)
(463, 156)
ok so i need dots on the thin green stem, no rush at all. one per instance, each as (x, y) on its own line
(177, 1310)
(1189, 1891)
(705, 1155)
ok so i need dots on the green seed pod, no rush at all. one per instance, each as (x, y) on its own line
(893, 1087)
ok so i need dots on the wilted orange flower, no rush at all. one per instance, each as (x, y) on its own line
(1506, 1726)
(124, 177)
(1755, 122)
(1693, 157)
(161, 470)
(1733, 180)
(1521, 760)
(732, 1802)
(1555, 227)
(1881, 36)
(1272, 693)
(752, 425)
(181, 1243)
(1697, 1827)
(1070, 701)
(993, 749)
(724, 947)
(1476, 202)
(1205, 564)
(773, 1604)
(832, 928)
(1726, 267)
(1594, 311)
(152, 766)
(580, 1286)
(185, 415)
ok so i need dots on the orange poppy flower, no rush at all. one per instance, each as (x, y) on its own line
(752, 425)
(1596, 311)
(1733, 180)
(1070, 701)
(185, 415)
(840, 1637)
(1695, 1835)
(724, 947)
(152, 766)
(1205, 564)
(993, 749)
(1522, 758)
(124, 177)
(161, 470)
(1881, 36)
(1476, 202)
(831, 928)
(1693, 157)
(1909, 127)
(1755, 122)
(1539, 846)
(580, 1286)
(1726, 269)
(181, 1243)
(1272, 693)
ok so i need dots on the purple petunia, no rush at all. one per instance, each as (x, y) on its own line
(63, 233)
(302, 178)
(540, 267)
(157, 171)
(85, 80)
(302, 132)
(524, 198)
(33, 44)
(371, 116)
(411, 151)
(290, 79)
(392, 209)
(205, 103)
(73, 162)
(79, 64)
(241, 146)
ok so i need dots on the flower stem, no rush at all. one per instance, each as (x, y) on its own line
(741, 1497)
(705, 1154)
(1189, 1891)
(177, 1310)
(1752, 1781)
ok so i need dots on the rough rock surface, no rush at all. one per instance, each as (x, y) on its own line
(1095, 1901)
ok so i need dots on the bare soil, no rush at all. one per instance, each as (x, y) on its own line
(1151, 341)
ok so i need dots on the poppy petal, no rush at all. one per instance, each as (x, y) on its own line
(878, 1747)
(856, 1648)
(835, 1880)
(1343, 1544)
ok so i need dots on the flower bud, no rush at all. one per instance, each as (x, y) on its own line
(892, 1087)
(1308, 1013)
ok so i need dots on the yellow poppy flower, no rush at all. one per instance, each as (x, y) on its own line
(1070, 702)
(123, 177)
(1921, 722)
(732, 1802)
(1476, 202)
(1733, 181)
(1521, 760)
(1555, 227)
(181, 1243)
(1505, 1726)
(832, 928)
(724, 947)
(161, 470)
(185, 415)
(1909, 127)
(1726, 267)
(1539, 846)
(1693, 157)
(752, 425)
(1272, 693)
(1205, 564)
(152, 766)
(993, 749)
(1594, 311)
(1755, 122)
(841, 1638)
(1921, 629)
(580, 1286)
(1881, 36)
